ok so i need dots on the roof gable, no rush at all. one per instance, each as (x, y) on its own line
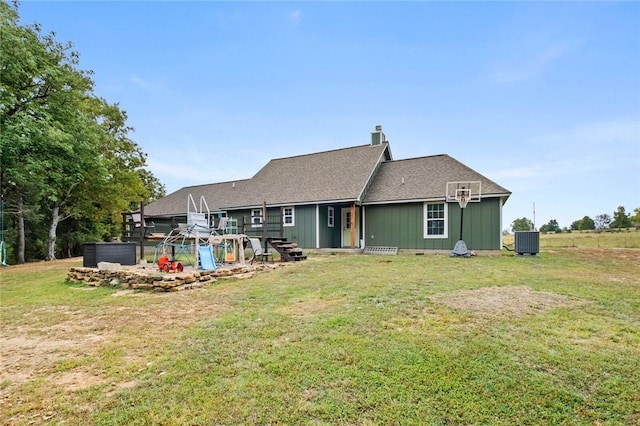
(329, 176)
(424, 178)
(337, 175)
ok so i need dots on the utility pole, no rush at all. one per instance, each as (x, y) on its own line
(534, 216)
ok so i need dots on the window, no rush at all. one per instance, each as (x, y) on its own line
(331, 217)
(256, 218)
(435, 220)
(288, 216)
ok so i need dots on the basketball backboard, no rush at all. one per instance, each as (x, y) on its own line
(464, 192)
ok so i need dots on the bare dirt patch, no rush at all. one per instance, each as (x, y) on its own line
(64, 347)
(509, 301)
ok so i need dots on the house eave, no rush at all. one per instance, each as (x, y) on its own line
(408, 200)
(297, 203)
(503, 196)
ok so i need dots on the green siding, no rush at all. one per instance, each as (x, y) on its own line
(402, 225)
(239, 215)
(329, 236)
(336, 232)
(304, 231)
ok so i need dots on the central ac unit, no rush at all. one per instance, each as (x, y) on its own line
(527, 242)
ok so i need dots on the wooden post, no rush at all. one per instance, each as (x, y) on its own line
(265, 223)
(125, 225)
(141, 230)
(174, 225)
(281, 223)
(353, 225)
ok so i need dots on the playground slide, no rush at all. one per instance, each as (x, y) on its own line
(207, 262)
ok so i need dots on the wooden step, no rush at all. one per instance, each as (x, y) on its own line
(286, 246)
(289, 251)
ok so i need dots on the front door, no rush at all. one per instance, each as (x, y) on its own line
(347, 223)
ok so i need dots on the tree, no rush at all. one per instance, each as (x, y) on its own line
(24, 68)
(155, 188)
(584, 224)
(587, 224)
(522, 224)
(636, 216)
(621, 219)
(552, 226)
(602, 221)
(65, 153)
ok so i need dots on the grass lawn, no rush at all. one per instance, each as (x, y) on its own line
(629, 238)
(335, 339)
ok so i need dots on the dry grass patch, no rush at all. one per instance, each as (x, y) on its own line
(507, 301)
(33, 347)
(69, 349)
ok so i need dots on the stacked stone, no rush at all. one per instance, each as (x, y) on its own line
(114, 276)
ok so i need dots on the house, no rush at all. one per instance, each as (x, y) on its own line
(349, 198)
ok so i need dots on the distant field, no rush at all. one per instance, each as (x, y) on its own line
(552, 339)
(613, 239)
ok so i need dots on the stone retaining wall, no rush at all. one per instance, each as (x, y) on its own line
(148, 278)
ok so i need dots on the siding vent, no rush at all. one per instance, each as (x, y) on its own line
(380, 250)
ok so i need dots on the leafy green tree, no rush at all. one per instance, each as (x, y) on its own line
(602, 221)
(155, 188)
(584, 224)
(66, 154)
(621, 219)
(522, 224)
(22, 111)
(587, 224)
(552, 226)
(636, 216)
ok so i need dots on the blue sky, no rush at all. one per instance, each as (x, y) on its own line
(541, 97)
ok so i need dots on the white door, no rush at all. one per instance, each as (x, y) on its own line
(348, 222)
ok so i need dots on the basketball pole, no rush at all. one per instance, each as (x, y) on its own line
(461, 216)
(463, 193)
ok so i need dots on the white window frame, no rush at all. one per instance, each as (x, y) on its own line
(256, 214)
(292, 216)
(331, 217)
(445, 218)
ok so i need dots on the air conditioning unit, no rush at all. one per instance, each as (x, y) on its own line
(527, 242)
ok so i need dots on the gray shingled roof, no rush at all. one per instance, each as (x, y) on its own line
(330, 176)
(425, 178)
(217, 196)
(339, 175)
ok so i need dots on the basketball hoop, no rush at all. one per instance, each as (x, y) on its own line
(463, 193)
(462, 197)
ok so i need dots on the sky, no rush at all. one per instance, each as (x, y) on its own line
(541, 97)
